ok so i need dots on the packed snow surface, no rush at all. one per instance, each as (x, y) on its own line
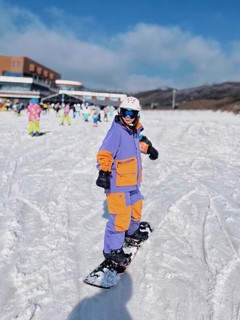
(53, 218)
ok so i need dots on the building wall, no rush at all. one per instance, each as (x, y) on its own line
(11, 64)
(27, 67)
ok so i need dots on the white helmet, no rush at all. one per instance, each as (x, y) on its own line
(130, 103)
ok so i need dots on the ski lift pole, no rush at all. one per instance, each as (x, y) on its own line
(173, 98)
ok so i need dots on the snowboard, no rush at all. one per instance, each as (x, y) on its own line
(108, 274)
(40, 134)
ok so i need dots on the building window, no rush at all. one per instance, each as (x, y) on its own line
(113, 98)
(16, 64)
(10, 86)
(32, 67)
(45, 73)
(12, 74)
(39, 70)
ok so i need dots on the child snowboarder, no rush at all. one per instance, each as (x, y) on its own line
(120, 172)
(34, 111)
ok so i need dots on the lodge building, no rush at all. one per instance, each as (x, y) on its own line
(23, 78)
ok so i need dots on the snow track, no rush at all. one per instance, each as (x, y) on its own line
(53, 218)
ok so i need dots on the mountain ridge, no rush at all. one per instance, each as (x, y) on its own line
(221, 96)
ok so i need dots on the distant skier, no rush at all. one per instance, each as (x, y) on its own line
(111, 111)
(95, 115)
(77, 110)
(57, 108)
(105, 111)
(34, 111)
(120, 172)
(65, 116)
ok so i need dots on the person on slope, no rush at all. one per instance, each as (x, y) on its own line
(65, 116)
(120, 173)
(34, 111)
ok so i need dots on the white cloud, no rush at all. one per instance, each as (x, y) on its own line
(139, 83)
(145, 57)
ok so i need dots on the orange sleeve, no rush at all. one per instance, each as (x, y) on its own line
(105, 160)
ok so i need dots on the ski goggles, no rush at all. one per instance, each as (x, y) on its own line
(129, 113)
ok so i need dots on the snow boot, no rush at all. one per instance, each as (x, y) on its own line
(119, 257)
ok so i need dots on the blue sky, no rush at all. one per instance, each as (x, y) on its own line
(127, 45)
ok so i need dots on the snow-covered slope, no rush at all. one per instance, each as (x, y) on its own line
(53, 218)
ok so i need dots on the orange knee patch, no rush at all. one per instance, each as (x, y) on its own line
(117, 205)
(137, 210)
(122, 222)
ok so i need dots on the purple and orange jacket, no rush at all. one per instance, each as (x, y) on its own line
(120, 153)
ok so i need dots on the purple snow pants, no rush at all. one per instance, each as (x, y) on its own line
(125, 211)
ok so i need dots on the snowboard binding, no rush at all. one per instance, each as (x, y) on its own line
(140, 235)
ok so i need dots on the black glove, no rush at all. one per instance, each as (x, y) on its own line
(103, 179)
(153, 153)
(146, 140)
